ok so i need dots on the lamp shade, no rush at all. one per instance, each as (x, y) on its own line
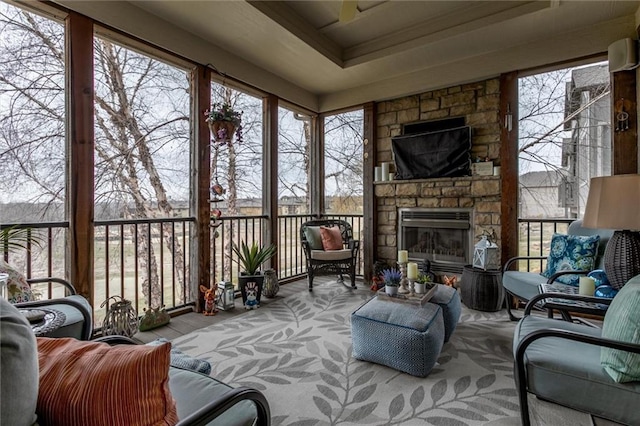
(613, 203)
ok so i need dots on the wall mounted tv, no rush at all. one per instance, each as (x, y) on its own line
(427, 155)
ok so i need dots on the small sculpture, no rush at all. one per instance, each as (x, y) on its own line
(209, 301)
(252, 296)
(450, 281)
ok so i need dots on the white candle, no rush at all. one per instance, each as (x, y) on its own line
(403, 256)
(412, 270)
(587, 286)
(378, 174)
(385, 171)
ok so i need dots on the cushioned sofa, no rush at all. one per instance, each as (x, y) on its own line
(585, 368)
(68, 381)
(524, 285)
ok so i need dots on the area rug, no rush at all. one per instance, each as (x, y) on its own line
(297, 350)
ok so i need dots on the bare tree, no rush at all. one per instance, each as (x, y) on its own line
(141, 134)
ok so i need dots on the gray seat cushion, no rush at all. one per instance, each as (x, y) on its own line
(192, 390)
(569, 373)
(18, 368)
(523, 284)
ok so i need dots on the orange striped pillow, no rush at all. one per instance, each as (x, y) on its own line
(92, 383)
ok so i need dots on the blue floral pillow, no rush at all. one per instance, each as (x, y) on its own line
(571, 253)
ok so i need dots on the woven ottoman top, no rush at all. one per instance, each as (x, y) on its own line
(408, 316)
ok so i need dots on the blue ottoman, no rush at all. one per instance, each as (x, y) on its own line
(448, 299)
(404, 337)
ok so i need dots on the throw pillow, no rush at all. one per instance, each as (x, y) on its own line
(622, 323)
(331, 238)
(571, 253)
(18, 368)
(312, 233)
(18, 289)
(181, 360)
(92, 383)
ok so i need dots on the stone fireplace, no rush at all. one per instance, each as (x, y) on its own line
(442, 236)
(477, 196)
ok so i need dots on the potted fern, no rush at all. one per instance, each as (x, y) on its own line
(250, 281)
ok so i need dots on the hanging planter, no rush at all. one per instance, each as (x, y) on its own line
(224, 123)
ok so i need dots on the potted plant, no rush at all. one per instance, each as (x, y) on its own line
(391, 279)
(251, 280)
(223, 122)
(423, 283)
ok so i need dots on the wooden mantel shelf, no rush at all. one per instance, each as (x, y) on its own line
(435, 180)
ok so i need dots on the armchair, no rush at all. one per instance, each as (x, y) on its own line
(320, 261)
(579, 366)
(524, 285)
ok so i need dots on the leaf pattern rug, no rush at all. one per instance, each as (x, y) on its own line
(297, 350)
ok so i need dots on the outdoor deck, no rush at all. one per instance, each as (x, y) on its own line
(186, 323)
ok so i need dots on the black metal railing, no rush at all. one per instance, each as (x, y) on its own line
(535, 239)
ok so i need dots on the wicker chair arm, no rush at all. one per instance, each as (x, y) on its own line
(538, 297)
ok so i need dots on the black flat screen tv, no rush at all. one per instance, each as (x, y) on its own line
(445, 153)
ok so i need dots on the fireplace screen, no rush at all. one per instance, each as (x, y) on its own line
(442, 236)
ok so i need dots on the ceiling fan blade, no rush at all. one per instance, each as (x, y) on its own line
(348, 10)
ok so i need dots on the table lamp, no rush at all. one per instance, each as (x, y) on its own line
(614, 203)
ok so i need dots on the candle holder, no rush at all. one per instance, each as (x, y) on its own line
(404, 281)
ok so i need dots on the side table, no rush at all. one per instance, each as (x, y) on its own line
(482, 290)
(51, 321)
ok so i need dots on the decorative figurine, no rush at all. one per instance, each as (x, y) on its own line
(209, 301)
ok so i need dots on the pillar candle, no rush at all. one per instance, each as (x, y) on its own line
(587, 286)
(385, 171)
(412, 270)
(378, 174)
(403, 256)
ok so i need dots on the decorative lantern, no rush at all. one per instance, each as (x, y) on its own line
(485, 254)
(225, 296)
(121, 318)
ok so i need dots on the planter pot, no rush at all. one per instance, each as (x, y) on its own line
(271, 286)
(391, 290)
(251, 290)
(420, 288)
(222, 131)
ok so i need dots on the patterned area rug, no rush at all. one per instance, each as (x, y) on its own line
(297, 350)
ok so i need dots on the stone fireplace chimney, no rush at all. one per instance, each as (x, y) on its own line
(478, 103)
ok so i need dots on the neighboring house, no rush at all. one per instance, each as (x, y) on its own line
(587, 153)
(540, 194)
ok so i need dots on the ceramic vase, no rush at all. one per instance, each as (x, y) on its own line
(270, 287)
(391, 290)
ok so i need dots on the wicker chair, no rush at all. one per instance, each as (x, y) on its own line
(327, 262)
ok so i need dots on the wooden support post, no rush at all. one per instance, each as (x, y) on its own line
(80, 143)
(509, 165)
(625, 133)
(270, 173)
(370, 221)
(201, 246)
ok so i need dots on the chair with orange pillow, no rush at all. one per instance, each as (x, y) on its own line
(329, 248)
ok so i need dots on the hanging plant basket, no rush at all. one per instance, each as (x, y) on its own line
(222, 131)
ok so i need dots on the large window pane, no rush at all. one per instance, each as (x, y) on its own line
(294, 140)
(142, 170)
(236, 166)
(32, 134)
(343, 162)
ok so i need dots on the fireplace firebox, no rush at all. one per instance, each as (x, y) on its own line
(443, 236)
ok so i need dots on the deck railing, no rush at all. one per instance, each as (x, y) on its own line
(122, 269)
(535, 239)
(122, 249)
